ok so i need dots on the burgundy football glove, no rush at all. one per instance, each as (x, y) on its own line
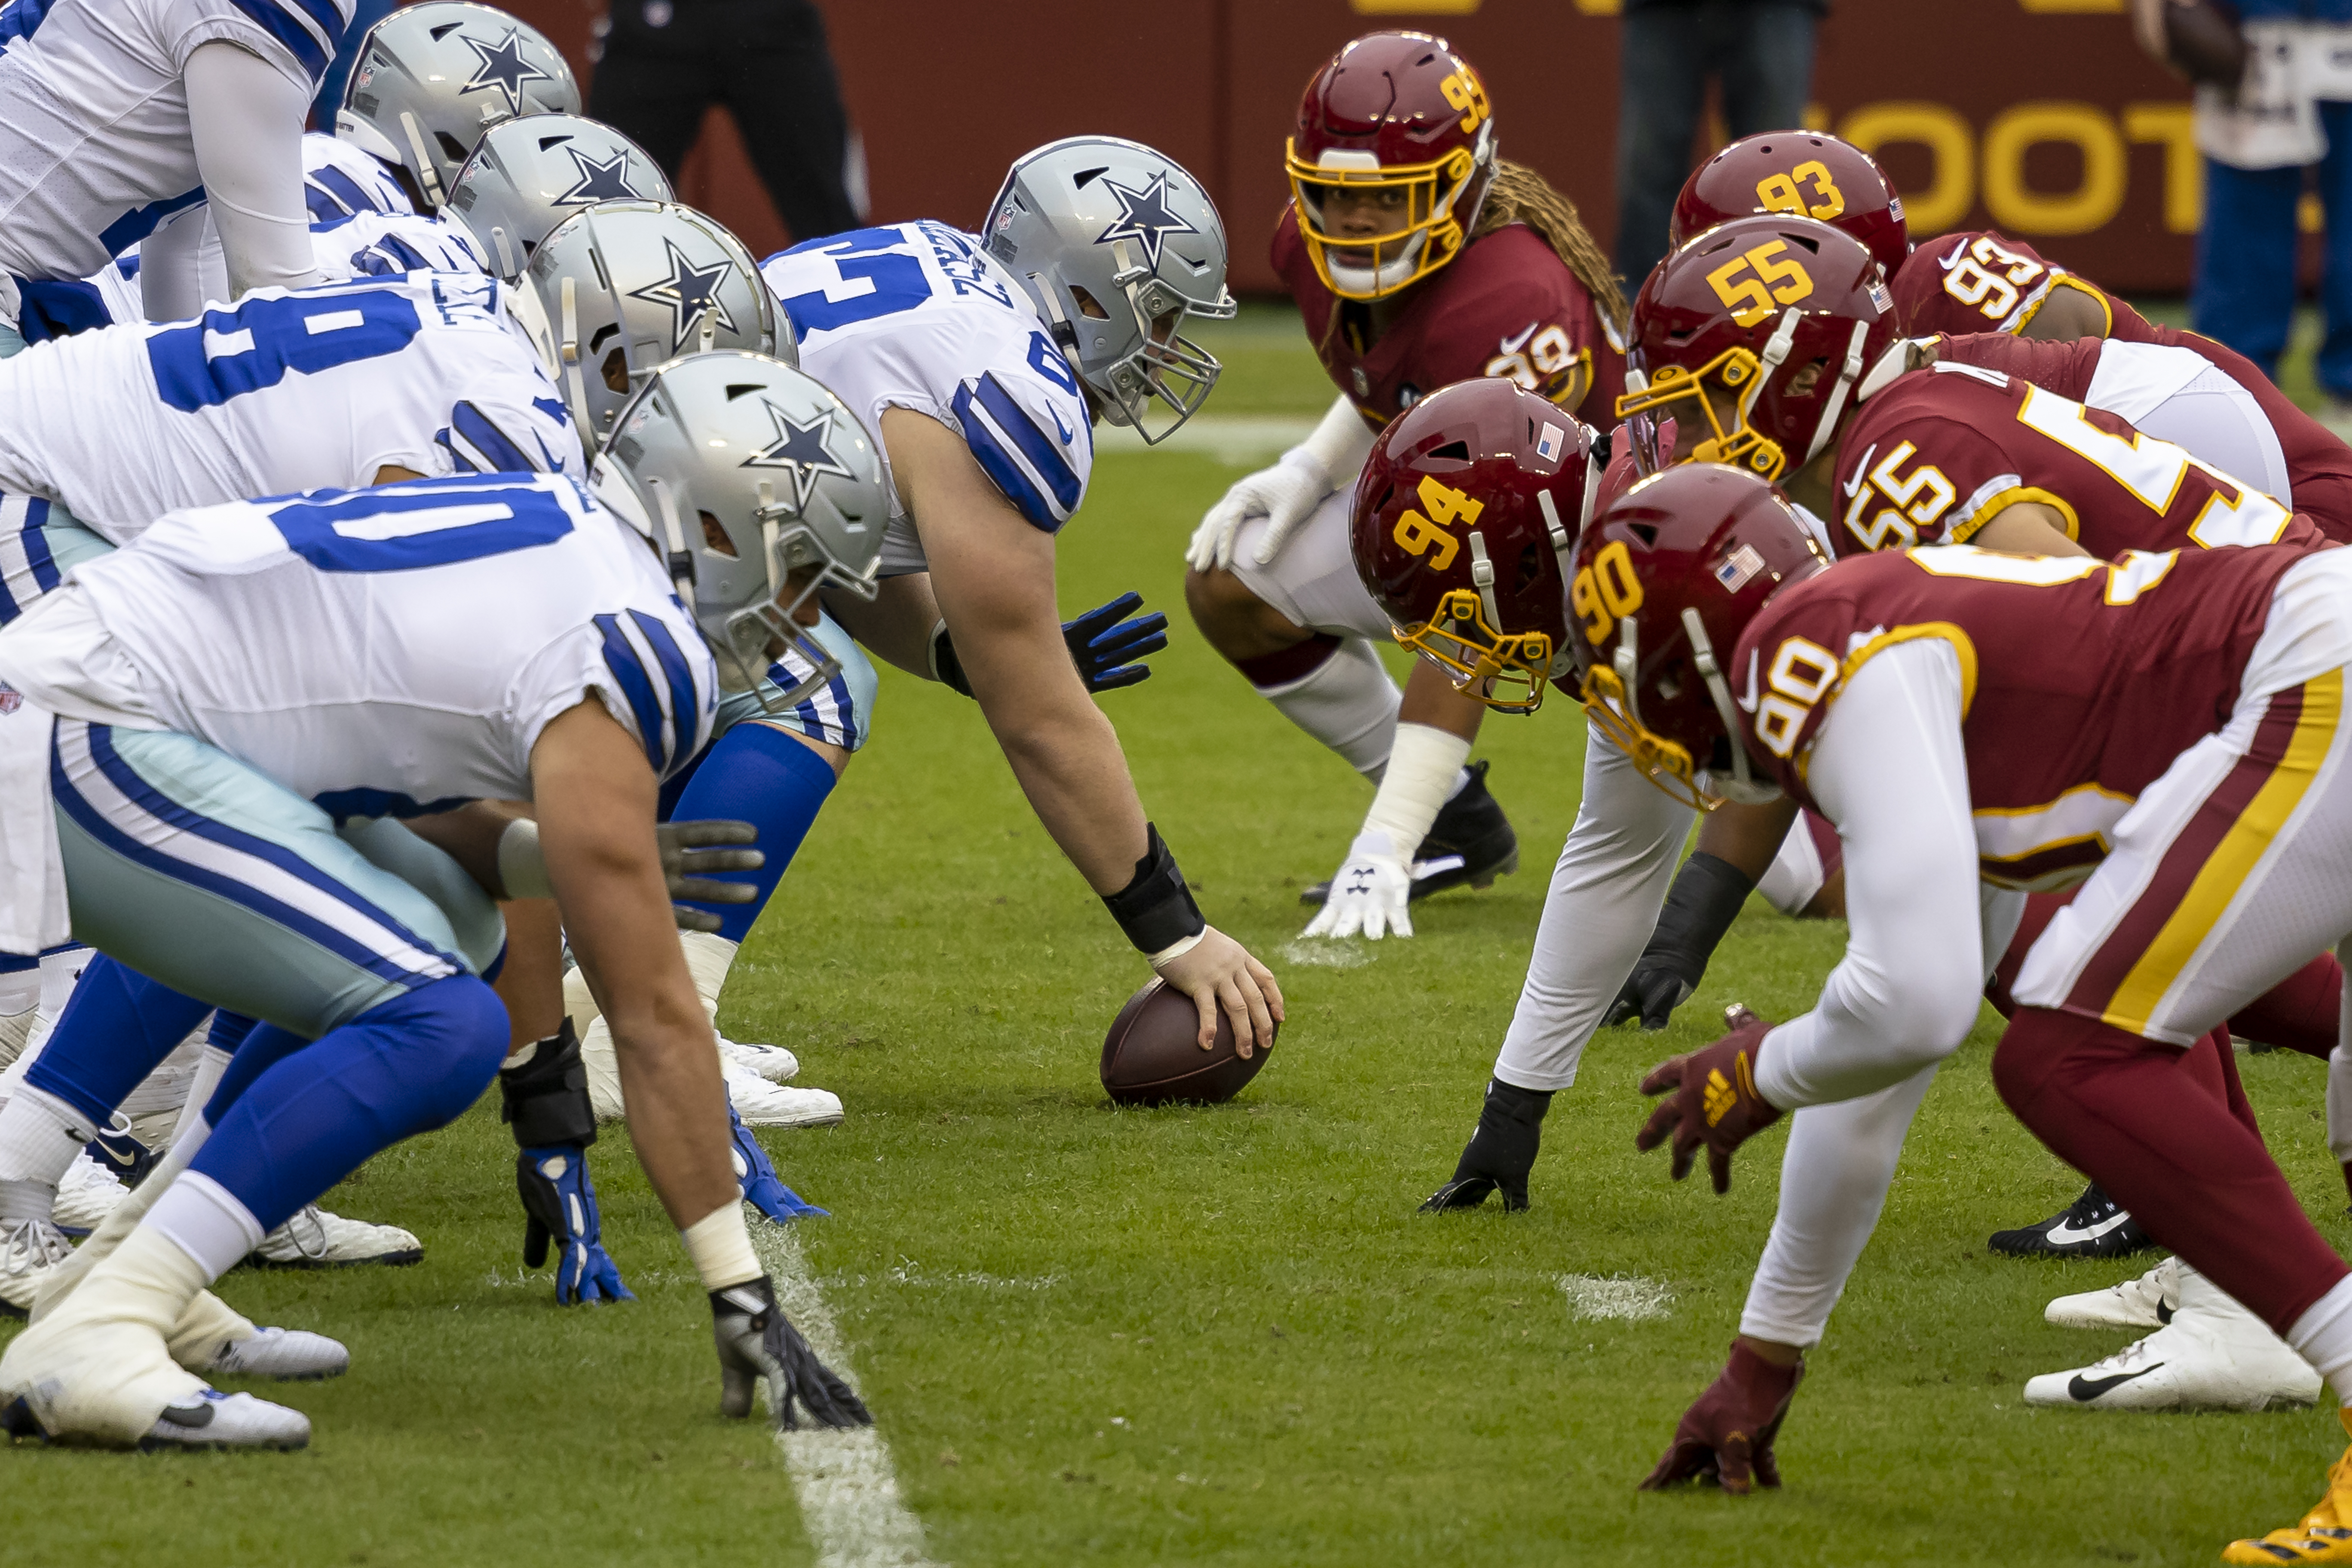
(1711, 1099)
(1726, 1437)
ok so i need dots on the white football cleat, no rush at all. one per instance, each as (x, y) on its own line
(314, 1238)
(87, 1194)
(2213, 1355)
(773, 1063)
(290, 1355)
(2146, 1302)
(764, 1104)
(216, 1420)
(28, 1249)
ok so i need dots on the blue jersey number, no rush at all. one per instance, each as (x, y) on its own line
(229, 352)
(436, 522)
(893, 282)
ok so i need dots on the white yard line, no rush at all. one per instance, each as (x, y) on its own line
(1238, 439)
(848, 1490)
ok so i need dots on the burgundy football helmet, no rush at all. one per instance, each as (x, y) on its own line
(1667, 580)
(1778, 317)
(1464, 519)
(1806, 174)
(1404, 119)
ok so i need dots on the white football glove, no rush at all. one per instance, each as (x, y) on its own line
(1373, 894)
(1285, 495)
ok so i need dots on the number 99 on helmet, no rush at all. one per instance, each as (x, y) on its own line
(761, 489)
(1464, 522)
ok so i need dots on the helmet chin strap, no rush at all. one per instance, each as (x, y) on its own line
(569, 344)
(1627, 661)
(1562, 544)
(1848, 375)
(507, 268)
(429, 173)
(680, 560)
(1745, 787)
(1482, 576)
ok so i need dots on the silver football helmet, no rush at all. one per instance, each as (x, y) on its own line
(528, 175)
(627, 286)
(1118, 245)
(760, 489)
(430, 79)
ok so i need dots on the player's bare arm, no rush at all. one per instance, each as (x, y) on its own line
(2064, 315)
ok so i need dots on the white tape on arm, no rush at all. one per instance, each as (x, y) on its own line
(720, 1248)
(1423, 762)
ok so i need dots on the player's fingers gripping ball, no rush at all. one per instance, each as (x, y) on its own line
(1711, 1099)
(1726, 1435)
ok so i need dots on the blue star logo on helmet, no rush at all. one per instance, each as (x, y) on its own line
(605, 182)
(502, 67)
(1144, 216)
(691, 293)
(802, 450)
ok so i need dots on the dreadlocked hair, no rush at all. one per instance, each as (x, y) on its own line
(1519, 195)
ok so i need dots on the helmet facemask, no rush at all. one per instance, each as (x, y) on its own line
(1164, 364)
(1506, 671)
(1739, 374)
(1440, 206)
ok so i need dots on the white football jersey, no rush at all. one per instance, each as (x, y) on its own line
(95, 147)
(918, 316)
(293, 389)
(397, 650)
(338, 181)
(378, 244)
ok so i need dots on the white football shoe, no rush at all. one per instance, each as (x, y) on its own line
(217, 1420)
(773, 1063)
(289, 1355)
(314, 1238)
(2146, 1302)
(29, 1248)
(764, 1104)
(2213, 1355)
(87, 1194)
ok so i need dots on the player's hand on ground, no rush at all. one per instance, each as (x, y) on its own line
(1370, 896)
(1218, 972)
(1726, 1435)
(559, 1202)
(1285, 495)
(1106, 645)
(1711, 1099)
(757, 1180)
(1650, 994)
(757, 1343)
(693, 852)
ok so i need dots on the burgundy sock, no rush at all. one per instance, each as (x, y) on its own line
(1286, 665)
(2298, 1014)
(2114, 1107)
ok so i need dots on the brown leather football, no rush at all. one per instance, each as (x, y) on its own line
(2203, 43)
(1153, 1055)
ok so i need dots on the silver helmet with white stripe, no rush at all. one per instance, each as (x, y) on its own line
(1117, 247)
(428, 80)
(530, 175)
(629, 286)
(760, 489)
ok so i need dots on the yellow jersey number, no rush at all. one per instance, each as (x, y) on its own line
(1776, 275)
(1606, 592)
(1466, 92)
(1785, 194)
(1418, 534)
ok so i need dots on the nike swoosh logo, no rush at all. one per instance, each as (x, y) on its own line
(1949, 262)
(125, 1161)
(1059, 425)
(1512, 346)
(2064, 1235)
(2089, 1388)
(1860, 471)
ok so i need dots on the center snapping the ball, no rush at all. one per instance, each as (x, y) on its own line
(1153, 1055)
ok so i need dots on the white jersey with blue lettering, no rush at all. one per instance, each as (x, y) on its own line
(95, 144)
(292, 389)
(382, 652)
(918, 316)
(340, 181)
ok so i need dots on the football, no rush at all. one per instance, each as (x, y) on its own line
(1152, 1054)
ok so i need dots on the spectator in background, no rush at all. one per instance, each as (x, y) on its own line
(664, 62)
(1760, 51)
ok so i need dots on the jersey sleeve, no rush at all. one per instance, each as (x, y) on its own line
(1030, 438)
(298, 36)
(1516, 311)
(2066, 369)
(1977, 282)
(652, 675)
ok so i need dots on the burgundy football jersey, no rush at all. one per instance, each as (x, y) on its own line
(1507, 306)
(1938, 454)
(2081, 682)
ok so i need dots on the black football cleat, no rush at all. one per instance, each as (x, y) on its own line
(1501, 1151)
(2093, 1226)
(1470, 844)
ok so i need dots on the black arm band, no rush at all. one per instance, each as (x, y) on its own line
(1156, 909)
(1709, 894)
(546, 1098)
(945, 666)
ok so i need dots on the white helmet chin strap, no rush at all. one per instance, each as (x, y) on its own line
(1848, 375)
(567, 343)
(1745, 786)
(1627, 661)
(429, 173)
(1562, 544)
(1481, 575)
(680, 560)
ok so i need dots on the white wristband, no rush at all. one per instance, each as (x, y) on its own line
(1340, 443)
(719, 1244)
(1176, 949)
(1423, 762)
(522, 869)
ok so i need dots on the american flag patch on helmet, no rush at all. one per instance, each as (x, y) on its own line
(1735, 569)
(1549, 443)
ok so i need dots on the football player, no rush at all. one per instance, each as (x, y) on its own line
(981, 363)
(1805, 173)
(1418, 256)
(378, 1026)
(2167, 729)
(527, 176)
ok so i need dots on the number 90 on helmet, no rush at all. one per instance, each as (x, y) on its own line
(1464, 522)
(761, 489)
(1665, 581)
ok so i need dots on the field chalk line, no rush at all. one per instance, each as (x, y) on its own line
(848, 1488)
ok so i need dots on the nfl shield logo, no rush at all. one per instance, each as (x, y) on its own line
(10, 699)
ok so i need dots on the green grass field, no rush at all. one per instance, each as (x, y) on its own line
(1203, 1335)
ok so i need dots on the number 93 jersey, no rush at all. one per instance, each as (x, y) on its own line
(917, 316)
(386, 651)
(290, 390)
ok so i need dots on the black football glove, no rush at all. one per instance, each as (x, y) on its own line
(758, 1344)
(1105, 646)
(690, 855)
(1501, 1151)
(1708, 895)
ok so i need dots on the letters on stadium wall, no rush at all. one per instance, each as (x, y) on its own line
(2037, 117)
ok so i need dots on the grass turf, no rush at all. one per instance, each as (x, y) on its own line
(1205, 1335)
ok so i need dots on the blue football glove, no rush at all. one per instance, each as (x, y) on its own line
(561, 1203)
(1106, 646)
(760, 1186)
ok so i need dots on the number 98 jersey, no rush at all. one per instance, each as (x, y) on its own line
(918, 316)
(291, 390)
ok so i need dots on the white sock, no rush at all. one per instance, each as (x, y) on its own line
(578, 1002)
(1347, 702)
(210, 1069)
(20, 990)
(708, 957)
(60, 972)
(39, 1136)
(207, 1222)
(2323, 1336)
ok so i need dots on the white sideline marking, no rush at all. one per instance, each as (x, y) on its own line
(848, 1490)
(1235, 438)
(1594, 1296)
(1323, 953)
